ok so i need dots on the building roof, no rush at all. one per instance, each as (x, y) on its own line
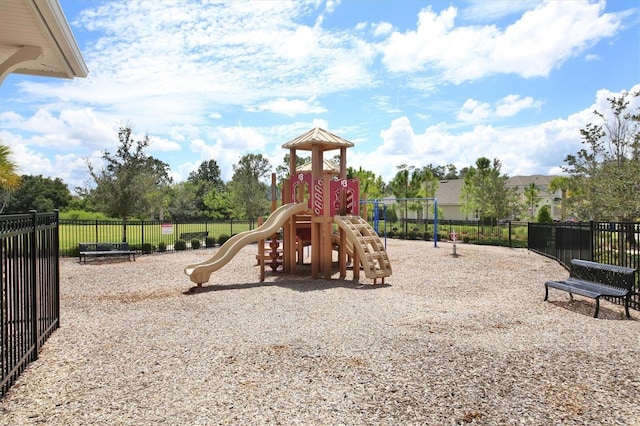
(35, 39)
(315, 137)
(524, 181)
(448, 192)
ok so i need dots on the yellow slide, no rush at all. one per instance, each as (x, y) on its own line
(200, 272)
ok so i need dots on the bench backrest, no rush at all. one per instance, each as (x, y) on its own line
(194, 235)
(103, 246)
(611, 275)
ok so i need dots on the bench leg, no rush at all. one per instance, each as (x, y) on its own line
(626, 306)
(597, 307)
(546, 292)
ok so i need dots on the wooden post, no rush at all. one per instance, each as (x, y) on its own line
(327, 230)
(261, 253)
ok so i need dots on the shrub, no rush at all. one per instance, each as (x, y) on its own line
(223, 239)
(180, 245)
(465, 239)
(83, 215)
(195, 244)
(544, 215)
(210, 242)
(162, 246)
(74, 252)
(426, 235)
(146, 248)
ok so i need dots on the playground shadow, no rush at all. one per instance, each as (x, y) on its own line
(295, 283)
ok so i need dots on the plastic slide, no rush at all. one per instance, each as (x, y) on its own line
(200, 272)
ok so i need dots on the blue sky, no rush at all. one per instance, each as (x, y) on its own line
(408, 82)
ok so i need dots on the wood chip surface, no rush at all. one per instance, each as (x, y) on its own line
(445, 341)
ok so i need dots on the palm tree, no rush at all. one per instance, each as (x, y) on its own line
(531, 194)
(9, 178)
(561, 183)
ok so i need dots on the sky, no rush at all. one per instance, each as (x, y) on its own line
(408, 82)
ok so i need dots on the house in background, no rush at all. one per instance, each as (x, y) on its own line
(448, 195)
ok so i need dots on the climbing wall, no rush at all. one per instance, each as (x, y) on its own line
(367, 243)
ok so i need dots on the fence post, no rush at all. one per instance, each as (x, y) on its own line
(33, 284)
(510, 246)
(56, 251)
(592, 244)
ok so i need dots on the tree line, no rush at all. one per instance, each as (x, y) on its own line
(602, 181)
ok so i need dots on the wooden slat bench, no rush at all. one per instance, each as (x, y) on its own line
(595, 280)
(105, 249)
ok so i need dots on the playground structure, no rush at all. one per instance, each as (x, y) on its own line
(320, 210)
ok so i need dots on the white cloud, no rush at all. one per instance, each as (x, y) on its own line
(513, 104)
(163, 145)
(474, 111)
(291, 107)
(526, 150)
(541, 40)
(382, 29)
(490, 11)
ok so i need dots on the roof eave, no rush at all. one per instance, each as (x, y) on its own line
(59, 34)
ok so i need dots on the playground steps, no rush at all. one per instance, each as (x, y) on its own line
(373, 256)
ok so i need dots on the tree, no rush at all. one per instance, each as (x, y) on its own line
(562, 184)
(405, 185)
(39, 193)
(204, 180)
(443, 172)
(129, 176)
(220, 204)
(248, 193)
(606, 171)
(183, 201)
(484, 190)
(544, 215)
(370, 184)
(9, 178)
(532, 198)
(282, 170)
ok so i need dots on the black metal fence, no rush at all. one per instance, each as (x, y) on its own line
(503, 233)
(144, 235)
(30, 309)
(615, 243)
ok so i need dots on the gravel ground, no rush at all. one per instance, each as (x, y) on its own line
(446, 340)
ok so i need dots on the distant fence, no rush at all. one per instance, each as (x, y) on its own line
(615, 243)
(504, 233)
(147, 236)
(30, 309)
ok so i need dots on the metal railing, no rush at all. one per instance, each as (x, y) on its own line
(30, 309)
(614, 243)
(146, 236)
(504, 233)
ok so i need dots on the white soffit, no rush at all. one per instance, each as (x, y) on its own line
(35, 39)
